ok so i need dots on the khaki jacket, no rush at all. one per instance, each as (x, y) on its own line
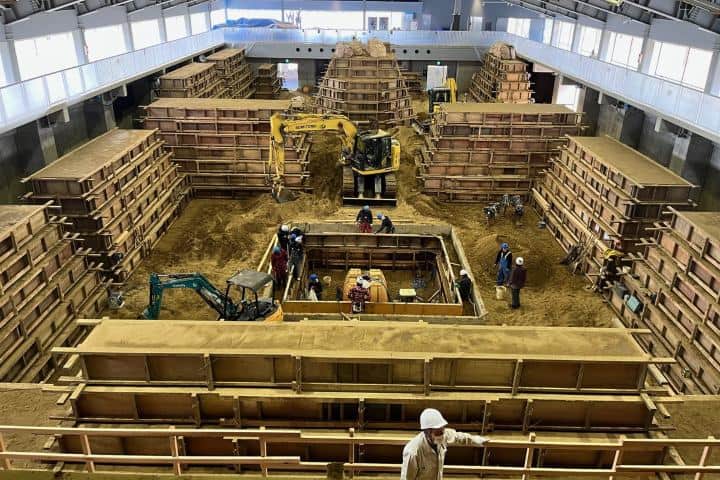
(422, 462)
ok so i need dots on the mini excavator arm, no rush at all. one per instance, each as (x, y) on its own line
(281, 125)
(217, 300)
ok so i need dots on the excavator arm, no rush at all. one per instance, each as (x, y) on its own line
(282, 125)
(217, 300)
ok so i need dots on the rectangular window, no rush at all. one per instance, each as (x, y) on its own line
(564, 35)
(685, 65)
(519, 27)
(589, 41)
(289, 74)
(42, 55)
(199, 22)
(625, 50)
(175, 27)
(217, 17)
(476, 24)
(145, 33)
(547, 31)
(237, 13)
(104, 42)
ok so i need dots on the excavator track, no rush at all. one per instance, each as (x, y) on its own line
(388, 197)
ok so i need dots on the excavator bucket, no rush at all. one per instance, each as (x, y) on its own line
(283, 195)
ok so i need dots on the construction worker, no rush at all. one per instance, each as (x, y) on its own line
(283, 234)
(364, 219)
(279, 262)
(296, 254)
(503, 263)
(386, 225)
(517, 281)
(464, 285)
(315, 286)
(424, 455)
(358, 295)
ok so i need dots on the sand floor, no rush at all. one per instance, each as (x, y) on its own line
(218, 237)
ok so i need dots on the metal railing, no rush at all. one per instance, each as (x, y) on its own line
(25, 101)
(688, 107)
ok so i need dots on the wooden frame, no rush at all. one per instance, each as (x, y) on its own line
(292, 450)
(363, 410)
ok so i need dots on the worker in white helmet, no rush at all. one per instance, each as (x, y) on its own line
(424, 455)
(464, 285)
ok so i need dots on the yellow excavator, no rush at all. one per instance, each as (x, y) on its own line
(369, 159)
(445, 94)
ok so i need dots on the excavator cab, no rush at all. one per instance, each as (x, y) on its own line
(438, 95)
(373, 151)
(252, 307)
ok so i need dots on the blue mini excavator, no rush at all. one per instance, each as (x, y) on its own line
(250, 307)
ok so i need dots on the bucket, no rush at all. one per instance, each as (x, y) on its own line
(500, 292)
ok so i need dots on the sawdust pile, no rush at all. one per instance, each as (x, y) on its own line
(218, 237)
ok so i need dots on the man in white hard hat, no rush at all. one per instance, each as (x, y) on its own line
(516, 282)
(464, 285)
(424, 455)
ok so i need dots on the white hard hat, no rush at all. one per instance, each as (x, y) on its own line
(299, 239)
(463, 272)
(365, 284)
(285, 228)
(431, 418)
(519, 260)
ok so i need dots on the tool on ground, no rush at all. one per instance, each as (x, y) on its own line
(369, 159)
(249, 307)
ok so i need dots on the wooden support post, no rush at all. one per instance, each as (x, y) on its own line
(6, 465)
(617, 460)
(527, 414)
(516, 376)
(85, 441)
(263, 453)
(175, 452)
(207, 363)
(703, 458)
(529, 452)
(426, 376)
(298, 375)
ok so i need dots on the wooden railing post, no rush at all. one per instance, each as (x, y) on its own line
(6, 465)
(85, 441)
(175, 452)
(703, 458)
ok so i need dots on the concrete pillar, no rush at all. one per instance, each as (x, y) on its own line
(604, 49)
(80, 51)
(691, 157)
(710, 194)
(575, 45)
(307, 71)
(622, 123)
(163, 30)
(712, 86)
(99, 116)
(590, 106)
(36, 143)
(647, 50)
(127, 37)
(556, 87)
(10, 64)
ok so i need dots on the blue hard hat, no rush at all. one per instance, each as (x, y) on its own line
(366, 207)
(379, 216)
(276, 249)
(504, 245)
(293, 236)
(313, 277)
